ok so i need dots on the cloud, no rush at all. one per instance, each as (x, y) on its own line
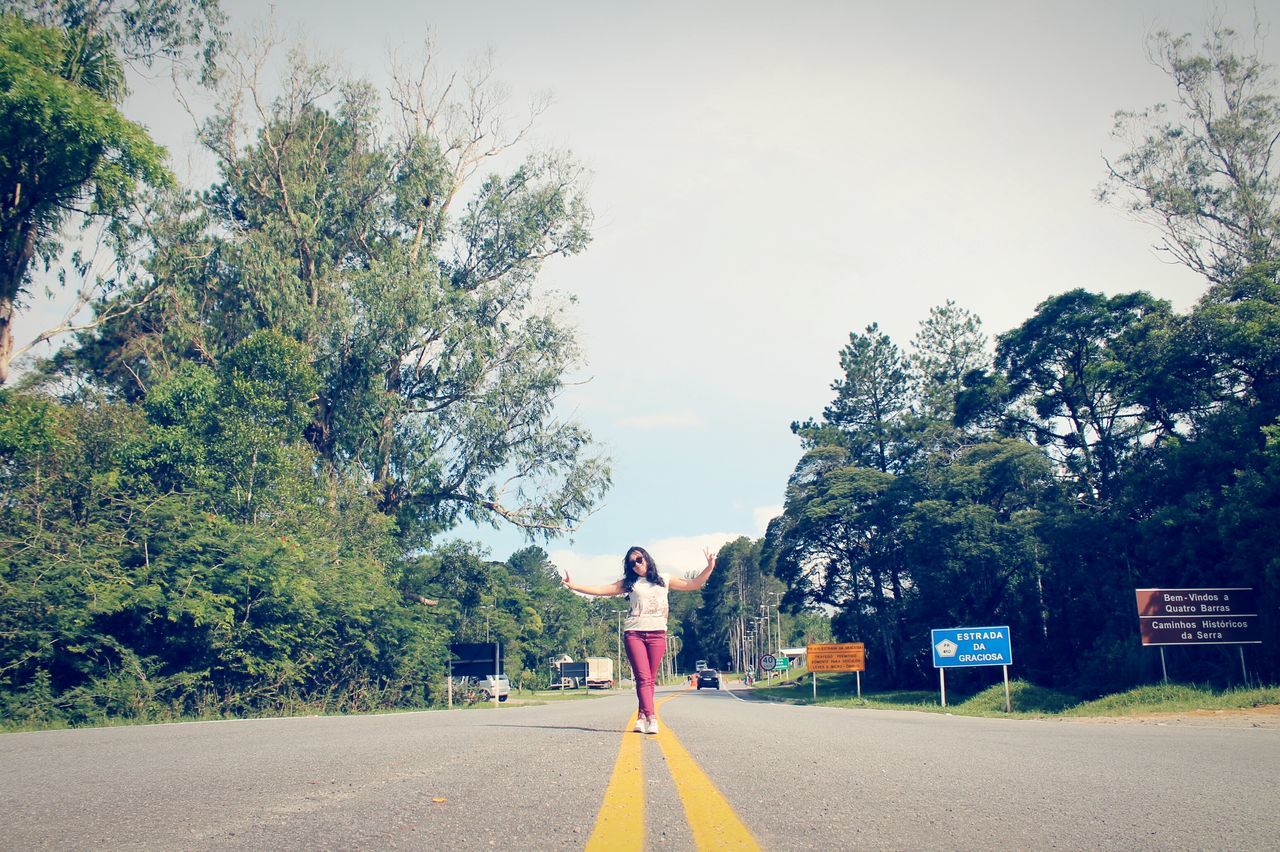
(686, 553)
(680, 555)
(591, 569)
(677, 555)
(763, 515)
(663, 421)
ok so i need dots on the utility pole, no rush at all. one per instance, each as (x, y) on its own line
(776, 604)
(764, 607)
(777, 609)
(742, 644)
(755, 645)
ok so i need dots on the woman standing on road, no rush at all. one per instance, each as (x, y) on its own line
(645, 630)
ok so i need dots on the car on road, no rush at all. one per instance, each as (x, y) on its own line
(494, 684)
(709, 678)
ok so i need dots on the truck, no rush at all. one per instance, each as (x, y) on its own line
(599, 672)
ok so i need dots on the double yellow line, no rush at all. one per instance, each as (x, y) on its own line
(620, 823)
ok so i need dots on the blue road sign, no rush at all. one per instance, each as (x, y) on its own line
(971, 646)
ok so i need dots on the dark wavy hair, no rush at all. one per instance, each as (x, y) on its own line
(629, 577)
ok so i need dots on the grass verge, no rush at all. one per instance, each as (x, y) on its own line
(1027, 700)
(158, 716)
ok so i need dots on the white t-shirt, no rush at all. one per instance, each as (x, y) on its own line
(648, 605)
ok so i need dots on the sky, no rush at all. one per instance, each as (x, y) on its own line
(766, 179)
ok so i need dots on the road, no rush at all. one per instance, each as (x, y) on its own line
(536, 777)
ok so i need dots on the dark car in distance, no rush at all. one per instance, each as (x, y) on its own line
(709, 678)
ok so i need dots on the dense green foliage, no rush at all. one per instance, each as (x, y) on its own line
(65, 149)
(229, 495)
(67, 154)
(225, 497)
(204, 569)
(1111, 443)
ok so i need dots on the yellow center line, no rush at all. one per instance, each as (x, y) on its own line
(620, 823)
(713, 821)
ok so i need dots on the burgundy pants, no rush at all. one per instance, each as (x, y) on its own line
(644, 651)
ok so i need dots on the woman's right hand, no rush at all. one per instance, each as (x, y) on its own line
(566, 582)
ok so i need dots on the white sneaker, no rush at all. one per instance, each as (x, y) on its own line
(641, 728)
(652, 727)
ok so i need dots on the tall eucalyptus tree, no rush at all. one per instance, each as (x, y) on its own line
(352, 228)
(1201, 170)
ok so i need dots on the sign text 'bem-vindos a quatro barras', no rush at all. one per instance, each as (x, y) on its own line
(1198, 616)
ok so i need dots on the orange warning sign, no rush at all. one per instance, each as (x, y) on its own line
(837, 657)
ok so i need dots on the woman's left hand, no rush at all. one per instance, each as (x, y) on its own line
(694, 583)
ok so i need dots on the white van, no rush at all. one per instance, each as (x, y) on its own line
(494, 684)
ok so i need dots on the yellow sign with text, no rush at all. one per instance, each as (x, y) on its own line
(838, 657)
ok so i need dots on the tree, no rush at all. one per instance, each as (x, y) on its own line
(836, 545)
(141, 579)
(440, 362)
(66, 151)
(1201, 173)
(1230, 347)
(839, 541)
(239, 479)
(871, 399)
(233, 431)
(1197, 508)
(971, 539)
(1066, 379)
(533, 567)
(731, 596)
(949, 345)
(186, 33)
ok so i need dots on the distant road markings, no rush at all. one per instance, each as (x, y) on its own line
(714, 823)
(620, 823)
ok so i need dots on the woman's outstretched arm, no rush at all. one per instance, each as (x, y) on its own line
(614, 588)
(680, 584)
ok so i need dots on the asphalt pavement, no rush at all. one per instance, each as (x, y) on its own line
(534, 777)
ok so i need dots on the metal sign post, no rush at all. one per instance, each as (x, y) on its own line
(972, 646)
(477, 660)
(837, 657)
(1222, 616)
(576, 672)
